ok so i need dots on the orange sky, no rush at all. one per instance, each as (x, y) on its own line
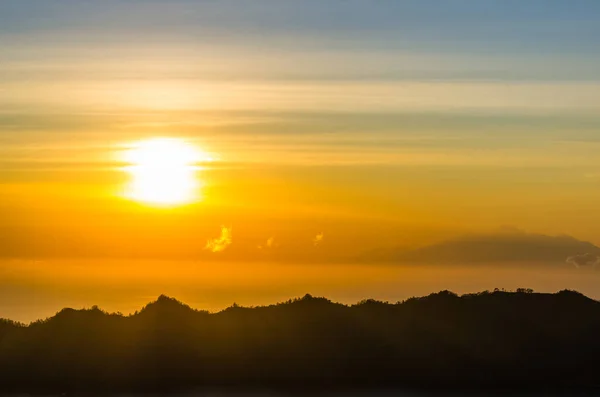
(322, 134)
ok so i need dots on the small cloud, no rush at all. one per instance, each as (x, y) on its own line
(222, 242)
(270, 243)
(584, 260)
(318, 239)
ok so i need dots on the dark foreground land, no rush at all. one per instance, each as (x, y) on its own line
(491, 341)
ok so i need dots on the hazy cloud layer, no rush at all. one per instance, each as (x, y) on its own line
(504, 246)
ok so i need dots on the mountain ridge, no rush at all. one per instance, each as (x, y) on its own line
(165, 303)
(490, 340)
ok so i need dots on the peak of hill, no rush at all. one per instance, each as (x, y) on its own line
(164, 302)
(166, 309)
(308, 299)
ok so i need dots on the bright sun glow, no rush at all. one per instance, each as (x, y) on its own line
(164, 171)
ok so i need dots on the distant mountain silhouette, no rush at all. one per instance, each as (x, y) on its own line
(491, 340)
(509, 246)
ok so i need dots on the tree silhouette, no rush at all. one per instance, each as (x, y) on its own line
(495, 340)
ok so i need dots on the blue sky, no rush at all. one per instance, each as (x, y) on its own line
(510, 40)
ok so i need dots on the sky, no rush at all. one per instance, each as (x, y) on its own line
(324, 131)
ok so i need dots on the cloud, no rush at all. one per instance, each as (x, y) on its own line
(584, 260)
(222, 242)
(318, 239)
(508, 245)
(270, 243)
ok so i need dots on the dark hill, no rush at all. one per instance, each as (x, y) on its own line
(487, 340)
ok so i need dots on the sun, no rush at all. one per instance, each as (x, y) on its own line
(164, 171)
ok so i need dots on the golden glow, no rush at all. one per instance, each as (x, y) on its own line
(164, 171)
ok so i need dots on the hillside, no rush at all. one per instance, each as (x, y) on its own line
(490, 340)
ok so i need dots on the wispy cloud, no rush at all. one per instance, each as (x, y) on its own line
(584, 260)
(220, 243)
(318, 240)
(270, 243)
